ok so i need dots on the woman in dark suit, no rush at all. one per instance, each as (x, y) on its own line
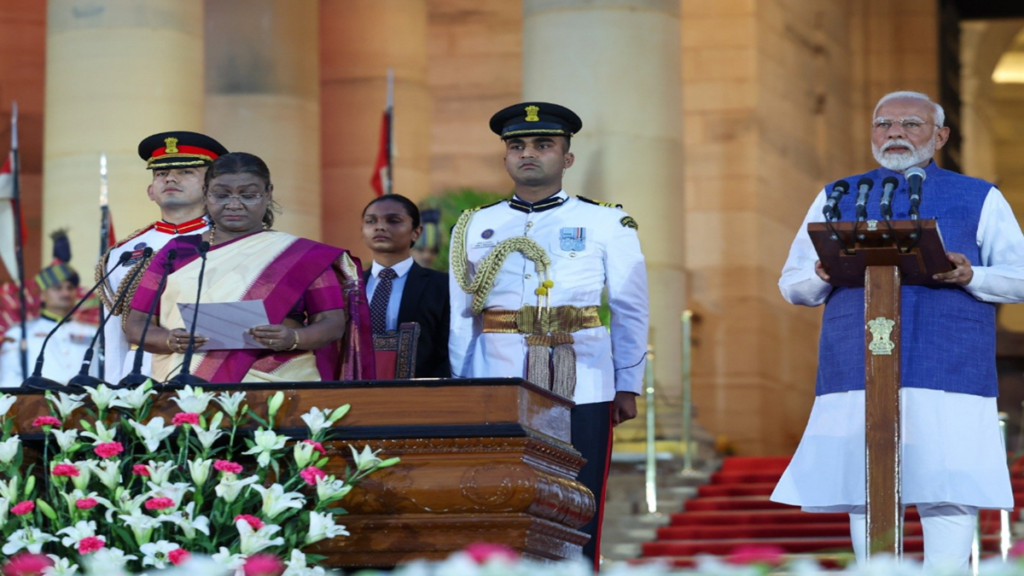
(399, 289)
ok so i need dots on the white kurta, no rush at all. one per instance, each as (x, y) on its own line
(119, 354)
(610, 258)
(64, 353)
(952, 447)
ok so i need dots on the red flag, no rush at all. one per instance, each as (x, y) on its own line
(381, 180)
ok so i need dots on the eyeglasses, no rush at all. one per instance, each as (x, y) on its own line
(910, 125)
(248, 198)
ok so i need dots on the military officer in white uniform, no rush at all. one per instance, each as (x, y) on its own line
(178, 161)
(527, 275)
(58, 284)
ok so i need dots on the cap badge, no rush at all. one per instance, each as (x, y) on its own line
(171, 145)
(531, 113)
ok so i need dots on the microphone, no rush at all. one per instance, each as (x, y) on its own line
(184, 377)
(889, 185)
(135, 377)
(83, 378)
(915, 176)
(36, 380)
(831, 210)
(863, 188)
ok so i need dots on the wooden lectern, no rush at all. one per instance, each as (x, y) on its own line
(881, 256)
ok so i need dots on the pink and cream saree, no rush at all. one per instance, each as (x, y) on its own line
(293, 276)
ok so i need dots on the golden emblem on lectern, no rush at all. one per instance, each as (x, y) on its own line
(531, 113)
(171, 145)
(881, 328)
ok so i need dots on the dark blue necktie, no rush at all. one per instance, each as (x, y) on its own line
(381, 297)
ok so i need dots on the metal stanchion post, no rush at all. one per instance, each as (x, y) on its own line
(687, 321)
(651, 474)
(1004, 515)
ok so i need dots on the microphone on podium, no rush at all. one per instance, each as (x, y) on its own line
(863, 189)
(184, 377)
(135, 377)
(83, 378)
(36, 380)
(889, 185)
(831, 210)
(915, 176)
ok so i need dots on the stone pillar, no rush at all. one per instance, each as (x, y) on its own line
(359, 41)
(116, 72)
(617, 63)
(262, 96)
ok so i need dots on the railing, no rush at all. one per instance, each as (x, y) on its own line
(651, 473)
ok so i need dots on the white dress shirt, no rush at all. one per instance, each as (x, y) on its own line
(397, 285)
(64, 353)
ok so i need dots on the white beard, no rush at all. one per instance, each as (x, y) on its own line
(900, 162)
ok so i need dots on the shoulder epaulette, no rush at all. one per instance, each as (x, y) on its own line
(596, 203)
(479, 208)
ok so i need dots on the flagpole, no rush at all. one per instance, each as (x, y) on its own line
(104, 246)
(19, 252)
(389, 187)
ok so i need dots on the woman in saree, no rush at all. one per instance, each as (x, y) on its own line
(319, 321)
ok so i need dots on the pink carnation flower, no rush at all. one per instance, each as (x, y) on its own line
(65, 470)
(185, 418)
(482, 552)
(756, 554)
(263, 565)
(26, 564)
(228, 466)
(90, 544)
(108, 449)
(318, 447)
(46, 421)
(140, 470)
(251, 520)
(159, 503)
(22, 508)
(311, 474)
(178, 556)
(86, 503)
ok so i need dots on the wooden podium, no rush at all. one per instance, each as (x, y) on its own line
(482, 460)
(881, 256)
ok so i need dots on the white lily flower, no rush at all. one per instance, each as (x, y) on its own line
(303, 453)
(322, 526)
(199, 469)
(155, 553)
(328, 487)
(160, 472)
(74, 534)
(266, 442)
(65, 438)
(101, 396)
(102, 433)
(253, 541)
(106, 560)
(31, 539)
(152, 434)
(133, 398)
(9, 449)
(230, 488)
(126, 504)
(296, 566)
(366, 459)
(316, 420)
(174, 490)
(81, 482)
(208, 436)
(276, 500)
(231, 403)
(193, 400)
(108, 472)
(186, 520)
(9, 489)
(229, 561)
(65, 403)
(4, 507)
(142, 526)
(61, 567)
(6, 402)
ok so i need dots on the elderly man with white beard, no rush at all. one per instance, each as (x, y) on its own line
(954, 461)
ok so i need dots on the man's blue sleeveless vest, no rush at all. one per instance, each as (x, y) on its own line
(948, 339)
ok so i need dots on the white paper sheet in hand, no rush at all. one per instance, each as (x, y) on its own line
(226, 324)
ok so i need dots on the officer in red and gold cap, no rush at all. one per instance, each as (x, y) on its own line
(178, 161)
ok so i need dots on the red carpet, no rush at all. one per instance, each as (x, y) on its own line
(734, 510)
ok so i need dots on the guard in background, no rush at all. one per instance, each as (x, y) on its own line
(527, 275)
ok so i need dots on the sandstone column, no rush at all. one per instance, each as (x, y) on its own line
(617, 64)
(359, 41)
(116, 72)
(262, 96)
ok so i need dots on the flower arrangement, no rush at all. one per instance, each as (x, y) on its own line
(121, 490)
